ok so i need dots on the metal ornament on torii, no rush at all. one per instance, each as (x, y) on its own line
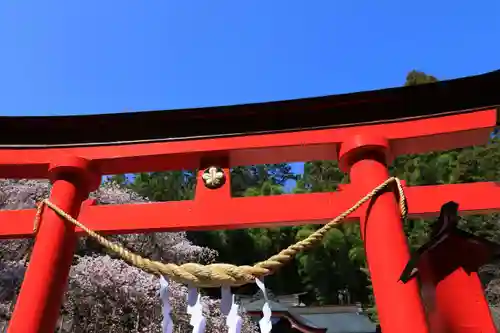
(75, 160)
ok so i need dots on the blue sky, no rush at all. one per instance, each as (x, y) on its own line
(80, 57)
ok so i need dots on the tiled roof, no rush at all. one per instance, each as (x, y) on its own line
(341, 322)
(336, 319)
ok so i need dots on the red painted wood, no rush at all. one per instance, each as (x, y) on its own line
(451, 288)
(461, 304)
(39, 301)
(413, 136)
(282, 210)
(387, 253)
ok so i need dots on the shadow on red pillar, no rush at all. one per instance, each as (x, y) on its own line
(447, 267)
(399, 305)
(39, 302)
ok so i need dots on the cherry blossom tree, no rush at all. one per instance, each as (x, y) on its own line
(104, 293)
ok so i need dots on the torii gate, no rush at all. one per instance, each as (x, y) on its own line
(365, 131)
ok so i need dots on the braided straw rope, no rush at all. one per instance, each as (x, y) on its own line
(219, 275)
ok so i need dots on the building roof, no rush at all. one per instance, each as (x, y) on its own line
(341, 322)
(256, 306)
(329, 319)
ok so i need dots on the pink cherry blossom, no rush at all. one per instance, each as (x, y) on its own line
(104, 293)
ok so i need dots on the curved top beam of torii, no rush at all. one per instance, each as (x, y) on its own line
(353, 109)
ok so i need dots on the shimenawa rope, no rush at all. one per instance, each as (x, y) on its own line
(220, 275)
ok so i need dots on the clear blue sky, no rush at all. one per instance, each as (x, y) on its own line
(80, 57)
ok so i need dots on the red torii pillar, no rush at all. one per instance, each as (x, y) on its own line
(447, 267)
(39, 302)
(399, 305)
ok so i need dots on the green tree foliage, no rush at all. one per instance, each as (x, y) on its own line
(244, 178)
(166, 185)
(417, 77)
(339, 263)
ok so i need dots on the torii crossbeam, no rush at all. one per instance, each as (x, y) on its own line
(365, 131)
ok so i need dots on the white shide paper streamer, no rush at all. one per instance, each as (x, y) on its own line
(195, 309)
(167, 324)
(265, 323)
(229, 308)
